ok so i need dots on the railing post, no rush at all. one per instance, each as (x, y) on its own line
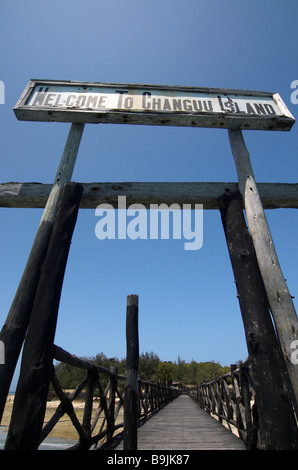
(146, 398)
(111, 408)
(151, 397)
(132, 366)
(88, 409)
(236, 397)
(219, 401)
(140, 399)
(250, 434)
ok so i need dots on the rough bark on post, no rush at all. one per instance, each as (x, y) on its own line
(36, 367)
(86, 425)
(14, 329)
(251, 427)
(279, 298)
(132, 366)
(273, 390)
(111, 409)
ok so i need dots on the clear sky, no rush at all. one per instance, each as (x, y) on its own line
(187, 299)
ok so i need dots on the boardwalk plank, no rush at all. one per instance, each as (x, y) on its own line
(184, 425)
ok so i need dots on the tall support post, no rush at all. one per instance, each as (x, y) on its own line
(277, 428)
(14, 329)
(132, 367)
(279, 298)
(37, 360)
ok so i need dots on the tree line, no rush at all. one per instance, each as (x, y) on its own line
(151, 368)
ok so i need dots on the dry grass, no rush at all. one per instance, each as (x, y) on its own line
(64, 428)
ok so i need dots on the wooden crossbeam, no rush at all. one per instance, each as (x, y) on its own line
(35, 195)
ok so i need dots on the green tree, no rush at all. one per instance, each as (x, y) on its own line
(148, 366)
(69, 377)
(181, 371)
(150, 369)
(208, 371)
(192, 375)
(166, 373)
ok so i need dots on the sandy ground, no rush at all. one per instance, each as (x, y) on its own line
(64, 428)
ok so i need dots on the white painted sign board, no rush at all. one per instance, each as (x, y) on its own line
(67, 101)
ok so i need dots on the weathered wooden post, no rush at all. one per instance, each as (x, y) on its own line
(111, 408)
(132, 367)
(36, 367)
(86, 425)
(250, 429)
(273, 389)
(279, 298)
(14, 329)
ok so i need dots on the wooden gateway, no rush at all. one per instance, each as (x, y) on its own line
(236, 110)
(68, 101)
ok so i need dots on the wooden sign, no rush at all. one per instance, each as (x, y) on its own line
(81, 102)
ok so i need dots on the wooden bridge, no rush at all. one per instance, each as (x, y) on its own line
(264, 417)
(183, 425)
(133, 414)
(259, 401)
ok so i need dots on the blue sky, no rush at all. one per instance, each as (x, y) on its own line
(188, 304)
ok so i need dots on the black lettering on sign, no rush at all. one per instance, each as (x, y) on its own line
(70, 100)
(177, 105)
(121, 93)
(101, 102)
(166, 105)
(187, 105)
(229, 105)
(220, 103)
(208, 106)
(156, 104)
(57, 100)
(250, 109)
(238, 111)
(39, 98)
(269, 108)
(145, 104)
(81, 101)
(49, 99)
(128, 102)
(91, 101)
(259, 108)
(197, 105)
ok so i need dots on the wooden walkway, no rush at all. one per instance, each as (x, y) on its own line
(184, 425)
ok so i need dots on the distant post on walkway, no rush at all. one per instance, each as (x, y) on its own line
(132, 367)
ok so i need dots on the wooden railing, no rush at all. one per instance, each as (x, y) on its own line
(103, 426)
(123, 401)
(231, 399)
